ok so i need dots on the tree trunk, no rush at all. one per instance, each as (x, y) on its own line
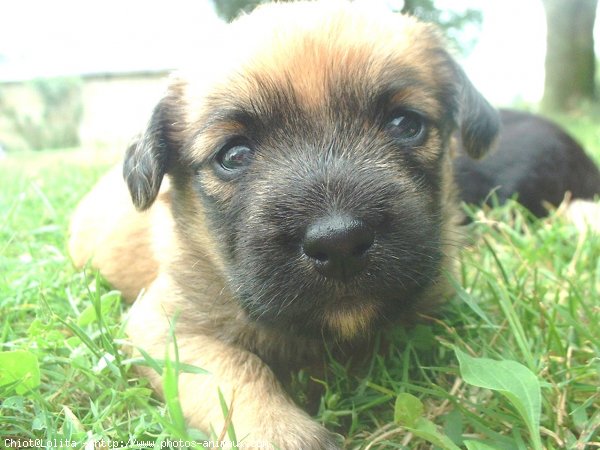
(570, 59)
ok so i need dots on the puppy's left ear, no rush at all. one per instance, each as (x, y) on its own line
(478, 121)
(151, 155)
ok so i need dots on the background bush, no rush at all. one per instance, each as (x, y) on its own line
(53, 124)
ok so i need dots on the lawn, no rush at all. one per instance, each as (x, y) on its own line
(511, 362)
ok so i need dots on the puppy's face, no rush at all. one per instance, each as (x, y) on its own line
(313, 163)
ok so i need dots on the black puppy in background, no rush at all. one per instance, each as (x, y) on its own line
(535, 160)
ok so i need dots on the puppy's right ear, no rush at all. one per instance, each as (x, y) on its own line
(151, 154)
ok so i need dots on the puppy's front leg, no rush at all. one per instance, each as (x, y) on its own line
(263, 415)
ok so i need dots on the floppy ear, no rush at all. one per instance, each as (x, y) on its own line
(151, 154)
(478, 121)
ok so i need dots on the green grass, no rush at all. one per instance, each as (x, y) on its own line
(528, 298)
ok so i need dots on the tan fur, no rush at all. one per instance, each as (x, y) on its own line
(107, 231)
(183, 273)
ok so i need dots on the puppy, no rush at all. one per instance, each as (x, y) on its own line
(534, 160)
(293, 193)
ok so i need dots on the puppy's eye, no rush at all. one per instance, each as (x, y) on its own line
(233, 159)
(406, 126)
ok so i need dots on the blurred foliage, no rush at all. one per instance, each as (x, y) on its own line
(230, 9)
(453, 23)
(54, 124)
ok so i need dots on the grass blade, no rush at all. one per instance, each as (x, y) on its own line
(513, 380)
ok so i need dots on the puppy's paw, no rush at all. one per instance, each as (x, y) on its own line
(292, 432)
(314, 438)
(317, 438)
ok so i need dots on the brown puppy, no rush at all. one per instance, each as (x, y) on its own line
(310, 200)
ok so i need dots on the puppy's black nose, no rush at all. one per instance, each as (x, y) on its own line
(338, 245)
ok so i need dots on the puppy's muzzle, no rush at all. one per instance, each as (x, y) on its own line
(338, 246)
